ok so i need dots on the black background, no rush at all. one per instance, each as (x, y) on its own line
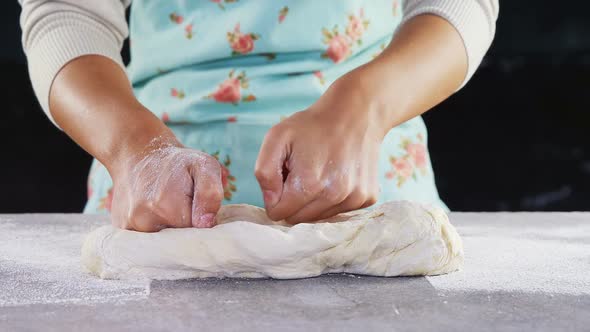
(515, 138)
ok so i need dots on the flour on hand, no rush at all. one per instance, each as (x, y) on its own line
(394, 239)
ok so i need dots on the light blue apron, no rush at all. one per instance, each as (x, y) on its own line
(220, 73)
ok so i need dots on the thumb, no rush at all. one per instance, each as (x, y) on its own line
(269, 166)
(207, 192)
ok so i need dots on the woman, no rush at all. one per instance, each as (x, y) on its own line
(315, 102)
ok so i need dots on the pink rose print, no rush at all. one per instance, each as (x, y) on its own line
(220, 3)
(230, 91)
(177, 93)
(188, 31)
(241, 43)
(401, 168)
(165, 117)
(340, 45)
(320, 77)
(418, 153)
(395, 7)
(338, 49)
(356, 27)
(176, 18)
(107, 202)
(404, 167)
(283, 13)
(232, 119)
(227, 179)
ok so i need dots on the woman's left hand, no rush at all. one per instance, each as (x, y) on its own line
(323, 161)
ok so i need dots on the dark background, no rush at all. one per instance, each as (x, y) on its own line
(516, 137)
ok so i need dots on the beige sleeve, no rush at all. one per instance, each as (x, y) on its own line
(56, 32)
(475, 20)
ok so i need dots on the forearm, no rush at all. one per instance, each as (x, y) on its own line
(423, 65)
(91, 99)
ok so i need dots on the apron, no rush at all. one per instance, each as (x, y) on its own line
(221, 73)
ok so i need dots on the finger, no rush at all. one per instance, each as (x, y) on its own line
(269, 166)
(373, 194)
(329, 198)
(207, 192)
(368, 202)
(175, 200)
(144, 220)
(177, 207)
(298, 191)
(372, 197)
(353, 202)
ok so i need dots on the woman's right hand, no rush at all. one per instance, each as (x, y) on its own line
(166, 185)
(158, 183)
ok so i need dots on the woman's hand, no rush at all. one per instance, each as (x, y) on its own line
(166, 185)
(322, 161)
(157, 182)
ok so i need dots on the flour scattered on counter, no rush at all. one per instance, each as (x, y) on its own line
(512, 253)
(40, 263)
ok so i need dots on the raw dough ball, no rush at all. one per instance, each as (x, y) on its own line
(393, 239)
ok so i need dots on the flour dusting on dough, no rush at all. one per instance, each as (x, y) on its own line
(394, 239)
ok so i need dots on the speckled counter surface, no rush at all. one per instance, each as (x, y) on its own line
(523, 271)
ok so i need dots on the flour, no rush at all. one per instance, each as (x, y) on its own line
(42, 265)
(514, 253)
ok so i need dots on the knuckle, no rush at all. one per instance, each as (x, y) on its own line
(210, 162)
(275, 214)
(143, 222)
(218, 195)
(274, 133)
(210, 194)
(263, 173)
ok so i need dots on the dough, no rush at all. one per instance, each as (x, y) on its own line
(393, 239)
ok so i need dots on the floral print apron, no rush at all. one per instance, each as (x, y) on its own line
(221, 73)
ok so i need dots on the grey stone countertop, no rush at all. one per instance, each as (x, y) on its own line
(523, 271)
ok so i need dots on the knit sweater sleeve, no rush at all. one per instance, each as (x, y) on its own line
(474, 20)
(56, 32)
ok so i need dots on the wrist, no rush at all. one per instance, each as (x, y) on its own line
(360, 103)
(134, 139)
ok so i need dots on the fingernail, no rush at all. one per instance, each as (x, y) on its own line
(269, 198)
(206, 221)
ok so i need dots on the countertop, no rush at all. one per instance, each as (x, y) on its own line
(523, 271)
